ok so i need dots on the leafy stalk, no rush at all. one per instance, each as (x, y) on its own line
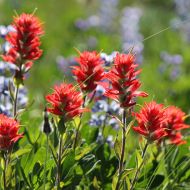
(15, 100)
(59, 162)
(121, 161)
(78, 127)
(4, 171)
(139, 168)
(47, 147)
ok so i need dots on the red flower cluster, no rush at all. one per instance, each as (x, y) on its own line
(90, 70)
(156, 122)
(24, 41)
(151, 121)
(175, 123)
(124, 82)
(65, 102)
(8, 132)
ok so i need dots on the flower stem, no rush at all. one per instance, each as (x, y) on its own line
(139, 168)
(47, 147)
(122, 151)
(92, 97)
(4, 171)
(78, 127)
(15, 101)
(59, 162)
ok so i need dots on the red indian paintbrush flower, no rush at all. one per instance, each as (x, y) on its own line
(90, 70)
(24, 41)
(175, 123)
(123, 80)
(65, 102)
(151, 121)
(8, 132)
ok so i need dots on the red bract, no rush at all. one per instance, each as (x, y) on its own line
(151, 121)
(90, 70)
(65, 102)
(123, 80)
(24, 41)
(8, 132)
(175, 123)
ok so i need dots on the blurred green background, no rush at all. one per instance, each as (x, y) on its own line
(61, 37)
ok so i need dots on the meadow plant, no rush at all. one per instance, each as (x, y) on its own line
(89, 134)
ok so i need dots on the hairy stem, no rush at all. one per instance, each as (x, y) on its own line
(139, 168)
(47, 147)
(78, 127)
(59, 162)
(4, 171)
(15, 101)
(121, 161)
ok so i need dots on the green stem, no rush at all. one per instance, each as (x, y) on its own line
(78, 127)
(47, 147)
(4, 171)
(59, 163)
(167, 165)
(122, 151)
(139, 168)
(15, 101)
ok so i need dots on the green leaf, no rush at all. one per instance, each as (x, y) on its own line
(61, 126)
(77, 121)
(129, 127)
(53, 152)
(126, 172)
(96, 183)
(24, 177)
(88, 163)
(19, 153)
(68, 163)
(67, 139)
(93, 167)
(158, 179)
(139, 159)
(128, 182)
(36, 168)
(83, 152)
(117, 148)
(114, 181)
(89, 133)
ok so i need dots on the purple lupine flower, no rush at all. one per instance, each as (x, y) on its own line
(85, 24)
(110, 140)
(97, 120)
(100, 106)
(130, 32)
(171, 63)
(113, 123)
(108, 59)
(181, 22)
(65, 64)
(103, 19)
(108, 13)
